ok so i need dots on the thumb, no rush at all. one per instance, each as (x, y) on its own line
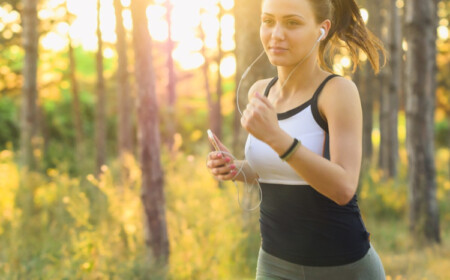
(222, 147)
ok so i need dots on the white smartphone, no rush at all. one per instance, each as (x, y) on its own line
(212, 140)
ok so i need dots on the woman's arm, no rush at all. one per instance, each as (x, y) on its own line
(339, 103)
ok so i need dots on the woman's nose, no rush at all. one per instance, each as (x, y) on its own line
(278, 32)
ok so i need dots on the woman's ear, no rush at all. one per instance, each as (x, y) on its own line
(322, 34)
(325, 27)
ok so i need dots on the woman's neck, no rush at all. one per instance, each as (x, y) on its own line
(298, 78)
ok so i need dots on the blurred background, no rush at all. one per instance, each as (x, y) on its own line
(104, 107)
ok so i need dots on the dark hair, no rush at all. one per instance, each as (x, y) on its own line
(347, 25)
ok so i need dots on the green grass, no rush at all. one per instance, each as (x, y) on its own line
(53, 226)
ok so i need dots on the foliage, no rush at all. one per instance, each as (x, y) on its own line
(58, 227)
(59, 224)
(209, 239)
(54, 226)
(9, 130)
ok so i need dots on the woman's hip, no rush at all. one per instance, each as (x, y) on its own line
(368, 267)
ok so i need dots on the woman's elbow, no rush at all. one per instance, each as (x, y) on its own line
(345, 194)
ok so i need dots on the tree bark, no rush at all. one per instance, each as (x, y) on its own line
(100, 118)
(390, 96)
(374, 85)
(205, 70)
(76, 108)
(421, 23)
(125, 130)
(248, 47)
(367, 98)
(152, 193)
(29, 114)
(216, 112)
(171, 85)
(206, 79)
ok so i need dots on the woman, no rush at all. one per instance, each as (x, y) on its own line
(305, 144)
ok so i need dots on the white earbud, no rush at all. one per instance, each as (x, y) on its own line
(322, 31)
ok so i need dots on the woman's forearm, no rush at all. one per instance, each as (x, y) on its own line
(246, 173)
(338, 184)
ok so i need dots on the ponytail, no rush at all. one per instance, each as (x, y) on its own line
(347, 25)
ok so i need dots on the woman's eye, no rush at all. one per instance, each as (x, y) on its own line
(267, 21)
(293, 23)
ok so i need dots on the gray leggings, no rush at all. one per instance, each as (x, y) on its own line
(272, 268)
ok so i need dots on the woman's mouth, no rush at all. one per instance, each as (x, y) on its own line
(277, 50)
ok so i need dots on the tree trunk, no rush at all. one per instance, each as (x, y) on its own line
(361, 80)
(123, 94)
(171, 89)
(216, 113)
(421, 20)
(206, 78)
(374, 85)
(366, 93)
(76, 109)
(205, 70)
(152, 193)
(100, 118)
(29, 114)
(248, 47)
(390, 96)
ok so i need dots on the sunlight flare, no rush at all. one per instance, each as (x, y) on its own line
(443, 32)
(228, 66)
(364, 15)
(227, 4)
(54, 41)
(187, 18)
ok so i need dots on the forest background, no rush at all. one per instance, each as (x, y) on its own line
(103, 143)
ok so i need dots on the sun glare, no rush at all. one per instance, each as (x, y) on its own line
(228, 66)
(346, 62)
(227, 4)
(157, 24)
(54, 41)
(187, 19)
(364, 15)
(443, 32)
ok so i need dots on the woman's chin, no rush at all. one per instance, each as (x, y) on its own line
(275, 61)
(278, 62)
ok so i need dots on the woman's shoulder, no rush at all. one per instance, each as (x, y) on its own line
(339, 94)
(259, 86)
(339, 89)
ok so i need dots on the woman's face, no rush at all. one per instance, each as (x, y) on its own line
(288, 30)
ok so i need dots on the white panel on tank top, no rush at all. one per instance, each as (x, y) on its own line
(266, 162)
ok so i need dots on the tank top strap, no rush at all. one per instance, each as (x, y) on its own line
(270, 85)
(314, 106)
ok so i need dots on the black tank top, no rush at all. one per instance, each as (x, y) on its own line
(302, 226)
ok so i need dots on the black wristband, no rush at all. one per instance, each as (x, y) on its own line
(291, 149)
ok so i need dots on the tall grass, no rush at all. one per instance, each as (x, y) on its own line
(53, 226)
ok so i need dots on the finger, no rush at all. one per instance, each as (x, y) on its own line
(220, 156)
(231, 175)
(249, 105)
(211, 164)
(214, 163)
(222, 147)
(215, 155)
(254, 95)
(244, 122)
(223, 171)
(263, 99)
